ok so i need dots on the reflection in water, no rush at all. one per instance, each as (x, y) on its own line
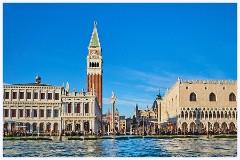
(123, 148)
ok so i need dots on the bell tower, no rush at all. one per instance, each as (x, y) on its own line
(94, 65)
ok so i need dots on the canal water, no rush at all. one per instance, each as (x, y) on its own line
(147, 147)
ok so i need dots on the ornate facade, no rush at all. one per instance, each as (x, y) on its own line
(199, 106)
(32, 107)
(46, 109)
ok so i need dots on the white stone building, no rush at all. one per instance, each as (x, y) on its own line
(37, 108)
(200, 105)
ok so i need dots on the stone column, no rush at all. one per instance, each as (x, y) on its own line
(82, 126)
(38, 114)
(32, 95)
(113, 99)
(39, 94)
(83, 108)
(52, 112)
(31, 127)
(10, 95)
(73, 125)
(25, 95)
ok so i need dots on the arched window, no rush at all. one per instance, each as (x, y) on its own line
(93, 64)
(182, 114)
(212, 97)
(214, 114)
(97, 64)
(193, 97)
(90, 64)
(232, 97)
(210, 114)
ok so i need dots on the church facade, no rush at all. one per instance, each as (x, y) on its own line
(39, 108)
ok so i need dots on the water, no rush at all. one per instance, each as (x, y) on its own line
(197, 147)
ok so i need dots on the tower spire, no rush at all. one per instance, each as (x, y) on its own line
(94, 42)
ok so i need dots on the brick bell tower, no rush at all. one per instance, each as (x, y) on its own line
(94, 65)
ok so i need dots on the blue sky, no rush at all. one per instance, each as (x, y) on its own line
(145, 46)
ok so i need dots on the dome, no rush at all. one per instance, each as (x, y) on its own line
(38, 79)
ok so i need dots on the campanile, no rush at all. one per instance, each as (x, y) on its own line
(94, 65)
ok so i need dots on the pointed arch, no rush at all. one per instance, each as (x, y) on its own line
(232, 127)
(212, 97)
(210, 114)
(190, 115)
(233, 114)
(202, 115)
(214, 114)
(186, 115)
(226, 115)
(232, 97)
(192, 126)
(206, 115)
(193, 97)
(182, 114)
(218, 114)
(229, 115)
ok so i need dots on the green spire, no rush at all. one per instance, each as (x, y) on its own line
(94, 42)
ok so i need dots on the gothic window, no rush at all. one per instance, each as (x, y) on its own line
(212, 97)
(202, 115)
(97, 64)
(218, 114)
(232, 97)
(206, 115)
(182, 115)
(190, 114)
(90, 64)
(186, 114)
(194, 114)
(210, 114)
(193, 97)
